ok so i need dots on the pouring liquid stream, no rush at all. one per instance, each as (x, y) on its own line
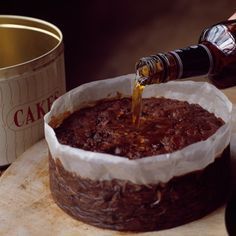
(137, 100)
(147, 72)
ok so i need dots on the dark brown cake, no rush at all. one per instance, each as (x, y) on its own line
(166, 126)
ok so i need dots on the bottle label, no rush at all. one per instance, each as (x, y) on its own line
(193, 61)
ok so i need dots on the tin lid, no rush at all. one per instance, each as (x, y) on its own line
(26, 44)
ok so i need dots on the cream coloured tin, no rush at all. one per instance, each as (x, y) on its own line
(32, 76)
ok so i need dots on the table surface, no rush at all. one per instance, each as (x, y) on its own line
(27, 208)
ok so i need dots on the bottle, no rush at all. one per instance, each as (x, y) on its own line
(214, 55)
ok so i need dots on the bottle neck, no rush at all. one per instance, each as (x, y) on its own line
(181, 63)
(193, 61)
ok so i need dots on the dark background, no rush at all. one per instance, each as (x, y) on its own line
(104, 38)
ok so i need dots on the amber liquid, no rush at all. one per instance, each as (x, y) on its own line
(137, 103)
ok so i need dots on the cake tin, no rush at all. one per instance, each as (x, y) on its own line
(32, 76)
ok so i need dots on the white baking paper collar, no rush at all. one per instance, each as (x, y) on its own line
(155, 169)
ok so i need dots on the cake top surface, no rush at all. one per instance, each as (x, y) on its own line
(167, 125)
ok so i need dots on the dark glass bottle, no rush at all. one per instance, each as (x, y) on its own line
(214, 55)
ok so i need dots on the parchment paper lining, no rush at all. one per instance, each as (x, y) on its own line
(155, 169)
